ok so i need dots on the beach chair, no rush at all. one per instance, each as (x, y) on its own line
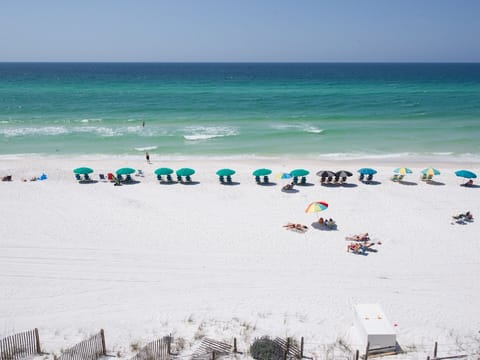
(361, 177)
(110, 177)
(120, 178)
(329, 180)
(188, 178)
(222, 179)
(102, 177)
(86, 177)
(179, 178)
(78, 177)
(169, 178)
(159, 177)
(323, 180)
(257, 179)
(395, 178)
(7, 178)
(229, 179)
(128, 178)
(295, 180)
(304, 180)
(139, 173)
(343, 180)
(369, 177)
(265, 179)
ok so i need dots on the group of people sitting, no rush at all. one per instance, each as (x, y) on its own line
(296, 227)
(333, 180)
(329, 223)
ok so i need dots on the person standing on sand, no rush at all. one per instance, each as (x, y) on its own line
(147, 156)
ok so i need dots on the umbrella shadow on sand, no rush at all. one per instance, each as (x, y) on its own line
(290, 191)
(305, 184)
(88, 181)
(348, 185)
(372, 182)
(267, 184)
(410, 183)
(130, 182)
(435, 183)
(475, 186)
(189, 182)
(231, 183)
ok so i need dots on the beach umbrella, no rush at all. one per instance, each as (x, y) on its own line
(402, 171)
(163, 171)
(83, 170)
(325, 173)
(125, 171)
(185, 172)
(284, 176)
(316, 206)
(299, 172)
(367, 171)
(467, 174)
(343, 173)
(262, 172)
(430, 171)
(225, 172)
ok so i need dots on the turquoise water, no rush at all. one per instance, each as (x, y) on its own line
(240, 109)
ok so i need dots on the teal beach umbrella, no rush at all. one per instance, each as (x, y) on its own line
(185, 172)
(402, 171)
(83, 170)
(163, 171)
(225, 172)
(467, 174)
(367, 171)
(299, 172)
(262, 172)
(125, 171)
(430, 171)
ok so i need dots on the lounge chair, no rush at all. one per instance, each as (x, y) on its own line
(128, 178)
(229, 179)
(295, 180)
(369, 177)
(110, 177)
(323, 180)
(87, 178)
(179, 178)
(343, 180)
(222, 179)
(102, 177)
(120, 178)
(188, 178)
(303, 181)
(169, 178)
(159, 177)
(257, 179)
(361, 177)
(7, 178)
(139, 173)
(78, 177)
(265, 179)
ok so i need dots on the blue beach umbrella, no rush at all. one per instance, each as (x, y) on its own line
(367, 171)
(467, 174)
(284, 176)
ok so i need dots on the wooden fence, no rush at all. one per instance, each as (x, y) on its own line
(90, 349)
(211, 349)
(155, 350)
(19, 346)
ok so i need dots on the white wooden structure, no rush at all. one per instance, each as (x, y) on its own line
(373, 327)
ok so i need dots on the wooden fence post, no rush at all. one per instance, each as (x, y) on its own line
(234, 345)
(357, 354)
(37, 341)
(435, 350)
(104, 348)
(366, 351)
(301, 347)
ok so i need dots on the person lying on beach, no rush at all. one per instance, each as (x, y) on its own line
(358, 237)
(288, 187)
(296, 227)
(469, 183)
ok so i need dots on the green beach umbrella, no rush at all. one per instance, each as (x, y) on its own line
(163, 171)
(262, 172)
(299, 172)
(185, 172)
(83, 170)
(125, 171)
(225, 172)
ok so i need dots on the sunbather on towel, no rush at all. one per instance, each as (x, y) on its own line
(359, 237)
(296, 227)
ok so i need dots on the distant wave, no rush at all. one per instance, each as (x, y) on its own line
(146, 148)
(298, 127)
(90, 120)
(29, 131)
(208, 132)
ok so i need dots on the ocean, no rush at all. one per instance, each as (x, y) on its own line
(240, 110)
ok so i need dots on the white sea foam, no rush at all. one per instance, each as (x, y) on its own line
(91, 120)
(195, 133)
(298, 127)
(30, 131)
(146, 148)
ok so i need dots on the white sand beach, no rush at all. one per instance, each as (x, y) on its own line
(145, 260)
